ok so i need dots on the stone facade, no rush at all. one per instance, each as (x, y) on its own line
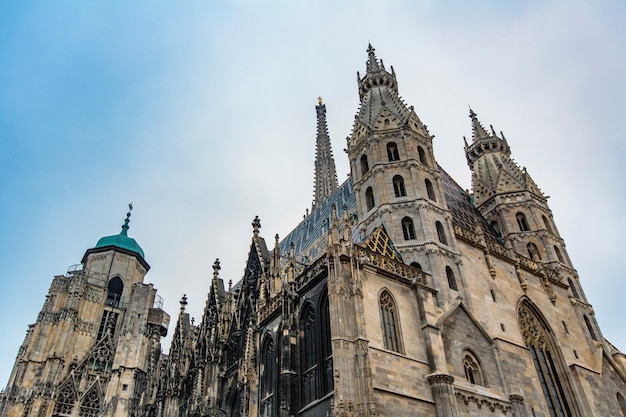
(400, 294)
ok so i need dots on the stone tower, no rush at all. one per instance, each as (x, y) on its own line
(95, 345)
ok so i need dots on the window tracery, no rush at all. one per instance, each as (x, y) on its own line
(90, 405)
(473, 371)
(66, 399)
(389, 320)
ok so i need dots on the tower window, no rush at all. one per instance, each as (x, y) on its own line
(417, 265)
(389, 321)
(308, 363)
(473, 372)
(115, 287)
(521, 221)
(451, 279)
(327, 351)
(558, 254)
(547, 224)
(408, 230)
(430, 190)
(268, 376)
(392, 152)
(90, 406)
(422, 155)
(398, 186)
(573, 288)
(369, 198)
(441, 234)
(533, 252)
(592, 333)
(364, 165)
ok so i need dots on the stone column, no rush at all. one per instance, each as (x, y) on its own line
(443, 394)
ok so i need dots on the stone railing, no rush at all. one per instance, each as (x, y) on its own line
(366, 256)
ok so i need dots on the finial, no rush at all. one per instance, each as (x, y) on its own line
(216, 268)
(256, 225)
(125, 226)
(493, 131)
(472, 115)
(183, 303)
(319, 101)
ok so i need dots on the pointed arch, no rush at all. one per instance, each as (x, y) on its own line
(389, 322)
(115, 288)
(422, 155)
(546, 223)
(546, 358)
(392, 152)
(622, 403)
(417, 265)
(408, 229)
(592, 332)
(573, 288)
(533, 252)
(558, 253)
(369, 198)
(496, 228)
(522, 222)
(473, 370)
(66, 398)
(430, 191)
(327, 350)
(398, 186)
(451, 279)
(268, 373)
(364, 165)
(90, 403)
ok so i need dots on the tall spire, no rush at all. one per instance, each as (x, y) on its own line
(125, 226)
(325, 171)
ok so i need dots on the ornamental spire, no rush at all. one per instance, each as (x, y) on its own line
(125, 226)
(478, 131)
(325, 170)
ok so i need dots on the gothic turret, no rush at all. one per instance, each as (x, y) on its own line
(325, 171)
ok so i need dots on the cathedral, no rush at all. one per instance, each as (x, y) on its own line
(399, 294)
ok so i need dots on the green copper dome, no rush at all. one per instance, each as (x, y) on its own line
(122, 240)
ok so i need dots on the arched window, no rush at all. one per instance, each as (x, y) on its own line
(364, 165)
(441, 234)
(327, 351)
(417, 265)
(573, 288)
(389, 321)
(268, 376)
(521, 221)
(407, 228)
(65, 399)
(558, 253)
(547, 224)
(115, 287)
(473, 371)
(369, 198)
(545, 357)
(533, 252)
(90, 405)
(430, 190)
(398, 186)
(592, 333)
(392, 152)
(451, 279)
(308, 360)
(496, 228)
(422, 155)
(622, 403)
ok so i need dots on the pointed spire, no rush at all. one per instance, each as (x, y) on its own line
(216, 268)
(375, 75)
(372, 62)
(125, 226)
(183, 303)
(325, 170)
(478, 131)
(256, 225)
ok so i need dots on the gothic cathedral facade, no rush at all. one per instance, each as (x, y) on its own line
(399, 294)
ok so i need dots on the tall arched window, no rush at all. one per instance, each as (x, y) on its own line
(472, 368)
(521, 221)
(327, 350)
(422, 155)
(115, 287)
(622, 403)
(369, 198)
(533, 252)
(392, 152)
(398, 186)
(389, 321)
(547, 223)
(65, 399)
(430, 190)
(90, 405)
(308, 360)
(268, 377)
(546, 359)
(441, 234)
(496, 228)
(592, 333)
(407, 228)
(451, 279)
(558, 253)
(573, 288)
(364, 165)
(417, 265)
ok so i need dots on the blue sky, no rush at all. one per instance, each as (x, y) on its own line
(202, 114)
